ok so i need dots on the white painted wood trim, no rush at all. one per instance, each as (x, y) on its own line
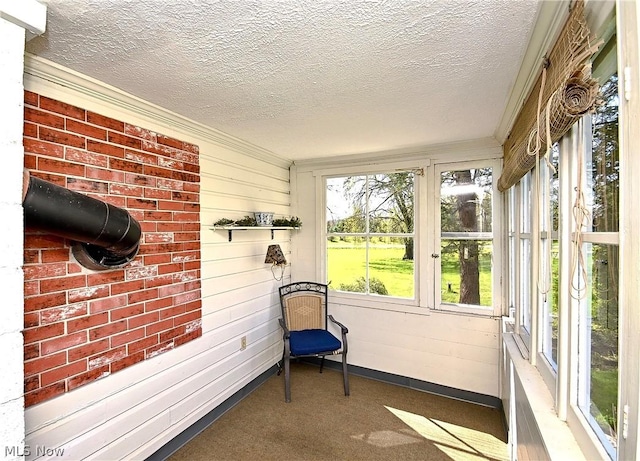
(474, 149)
(28, 14)
(628, 36)
(55, 74)
(556, 435)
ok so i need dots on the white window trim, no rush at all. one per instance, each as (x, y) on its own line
(499, 239)
(564, 384)
(423, 303)
(370, 300)
(628, 36)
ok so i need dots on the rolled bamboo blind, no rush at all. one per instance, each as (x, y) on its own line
(563, 93)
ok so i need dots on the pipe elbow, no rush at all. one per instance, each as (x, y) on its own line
(104, 236)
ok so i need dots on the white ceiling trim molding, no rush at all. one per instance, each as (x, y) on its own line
(453, 151)
(549, 23)
(48, 71)
(28, 14)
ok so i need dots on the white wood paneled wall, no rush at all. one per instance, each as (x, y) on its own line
(132, 413)
(450, 350)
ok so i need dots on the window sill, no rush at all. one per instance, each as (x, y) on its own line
(386, 303)
(558, 439)
(465, 309)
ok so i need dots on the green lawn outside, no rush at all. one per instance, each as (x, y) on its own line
(450, 274)
(604, 396)
(346, 263)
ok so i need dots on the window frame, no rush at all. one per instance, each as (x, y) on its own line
(424, 229)
(498, 239)
(367, 234)
(578, 306)
(547, 235)
(563, 380)
(391, 303)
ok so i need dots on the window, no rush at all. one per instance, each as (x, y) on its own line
(512, 238)
(466, 257)
(575, 233)
(373, 243)
(524, 257)
(370, 234)
(596, 278)
(549, 254)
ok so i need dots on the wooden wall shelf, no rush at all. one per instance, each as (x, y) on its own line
(230, 229)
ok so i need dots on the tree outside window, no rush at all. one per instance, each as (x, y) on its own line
(370, 234)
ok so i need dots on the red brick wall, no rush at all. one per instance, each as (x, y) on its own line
(81, 325)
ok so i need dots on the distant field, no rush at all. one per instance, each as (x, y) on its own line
(346, 262)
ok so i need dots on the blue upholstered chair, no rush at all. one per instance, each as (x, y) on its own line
(304, 322)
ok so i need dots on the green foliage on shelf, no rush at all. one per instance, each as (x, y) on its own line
(224, 222)
(294, 221)
(249, 221)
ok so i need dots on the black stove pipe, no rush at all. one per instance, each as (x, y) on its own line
(105, 236)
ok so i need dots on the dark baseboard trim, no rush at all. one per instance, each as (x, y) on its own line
(192, 431)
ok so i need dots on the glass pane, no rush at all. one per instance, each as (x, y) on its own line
(346, 204)
(347, 263)
(465, 200)
(512, 269)
(550, 308)
(549, 248)
(465, 268)
(598, 346)
(466, 238)
(390, 273)
(360, 211)
(525, 204)
(391, 203)
(525, 284)
(555, 188)
(603, 164)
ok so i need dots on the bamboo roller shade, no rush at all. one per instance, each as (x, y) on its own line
(568, 92)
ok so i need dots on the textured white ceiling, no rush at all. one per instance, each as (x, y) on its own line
(305, 78)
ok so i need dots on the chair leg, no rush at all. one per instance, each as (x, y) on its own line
(321, 363)
(287, 384)
(345, 375)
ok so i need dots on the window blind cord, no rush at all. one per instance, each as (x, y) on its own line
(581, 214)
(544, 270)
(581, 219)
(543, 283)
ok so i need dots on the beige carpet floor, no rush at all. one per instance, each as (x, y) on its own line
(378, 421)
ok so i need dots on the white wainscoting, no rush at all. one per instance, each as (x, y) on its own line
(451, 350)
